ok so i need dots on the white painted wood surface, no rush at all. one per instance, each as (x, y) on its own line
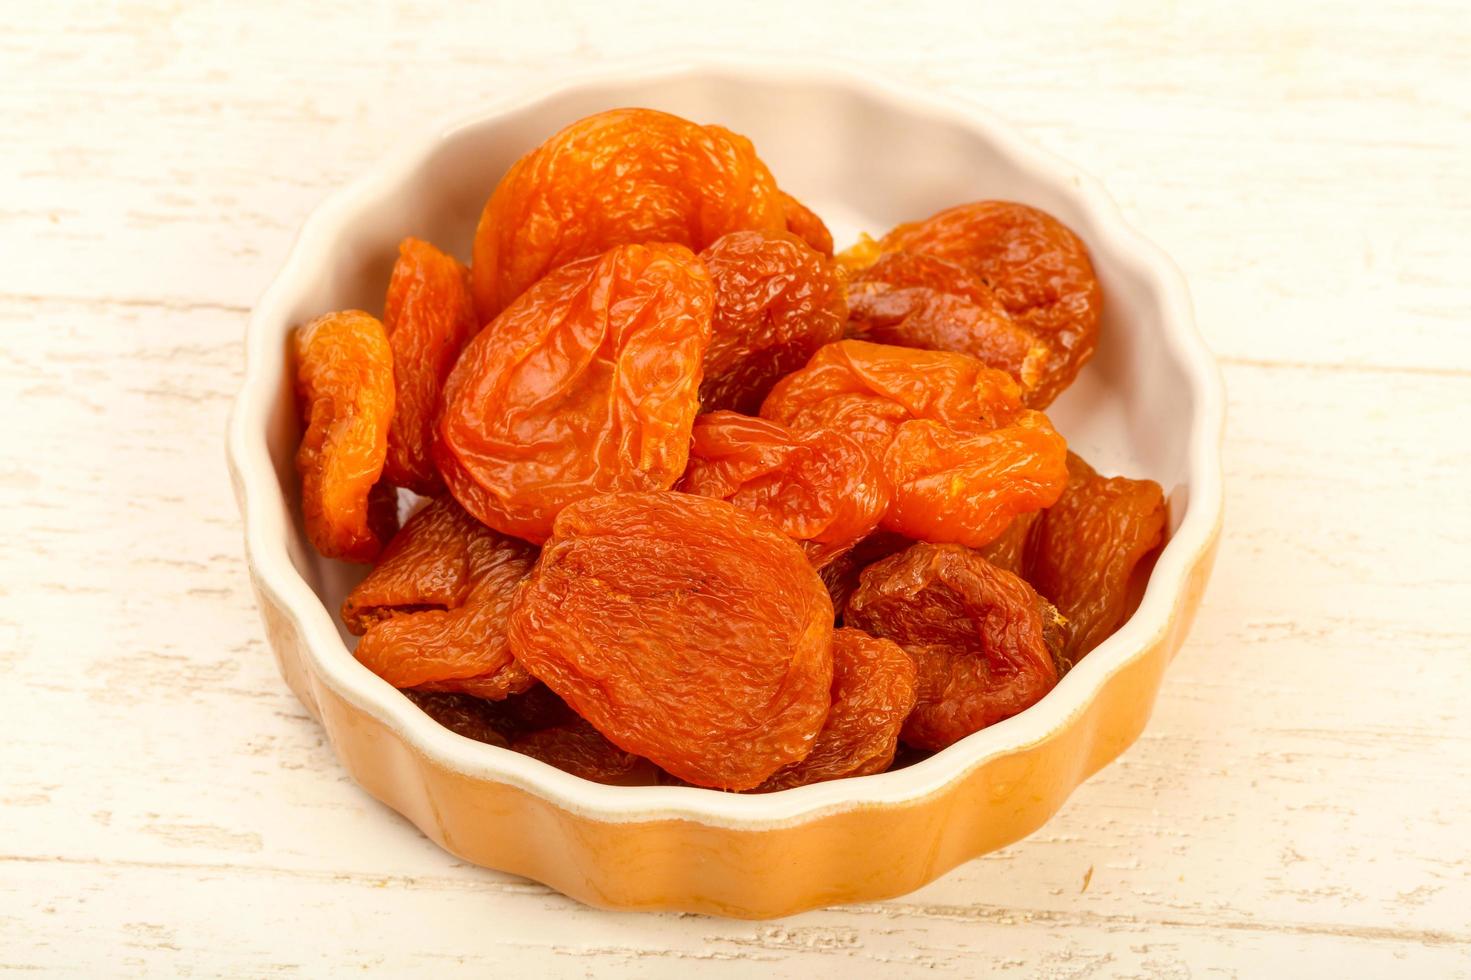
(1301, 803)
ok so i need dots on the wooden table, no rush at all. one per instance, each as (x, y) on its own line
(1302, 799)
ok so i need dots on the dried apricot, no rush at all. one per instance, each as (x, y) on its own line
(1084, 549)
(494, 684)
(531, 711)
(581, 749)
(962, 455)
(841, 574)
(425, 566)
(776, 302)
(1035, 265)
(818, 486)
(967, 487)
(462, 714)
(982, 640)
(588, 383)
(429, 316)
(1009, 551)
(344, 387)
(459, 648)
(803, 222)
(616, 178)
(685, 630)
(914, 300)
(873, 692)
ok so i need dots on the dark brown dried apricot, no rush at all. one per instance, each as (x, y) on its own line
(1009, 551)
(344, 388)
(874, 689)
(580, 749)
(1084, 549)
(776, 302)
(982, 640)
(685, 630)
(1035, 265)
(429, 316)
(820, 487)
(462, 714)
(841, 574)
(620, 177)
(588, 383)
(531, 711)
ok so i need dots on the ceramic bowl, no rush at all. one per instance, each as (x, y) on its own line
(865, 155)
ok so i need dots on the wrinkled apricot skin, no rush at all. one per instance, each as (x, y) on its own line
(685, 630)
(842, 573)
(1008, 551)
(961, 454)
(426, 565)
(1035, 265)
(869, 390)
(803, 222)
(587, 384)
(820, 487)
(1083, 551)
(461, 714)
(913, 300)
(580, 749)
(982, 640)
(966, 488)
(620, 177)
(498, 679)
(776, 302)
(344, 389)
(429, 316)
(874, 690)
(435, 610)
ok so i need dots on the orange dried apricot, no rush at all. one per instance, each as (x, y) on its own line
(426, 565)
(961, 454)
(460, 647)
(803, 222)
(588, 383)
(1035, 265)
(818, 486)
(967, 487)
(620, 177)
(914, 300)
(344, 388)
(685, 630)
(874, 689)
(429, 316)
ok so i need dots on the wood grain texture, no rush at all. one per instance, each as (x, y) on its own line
(1299, 803)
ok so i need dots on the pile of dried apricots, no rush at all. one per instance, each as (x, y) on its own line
(707, 504)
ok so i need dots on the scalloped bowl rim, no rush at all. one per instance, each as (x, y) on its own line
(266, 533)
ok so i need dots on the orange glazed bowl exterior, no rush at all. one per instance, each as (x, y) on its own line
(865, 155)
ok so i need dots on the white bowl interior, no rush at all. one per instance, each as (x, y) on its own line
(860, 155)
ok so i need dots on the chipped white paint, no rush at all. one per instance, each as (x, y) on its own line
(1301, 799)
